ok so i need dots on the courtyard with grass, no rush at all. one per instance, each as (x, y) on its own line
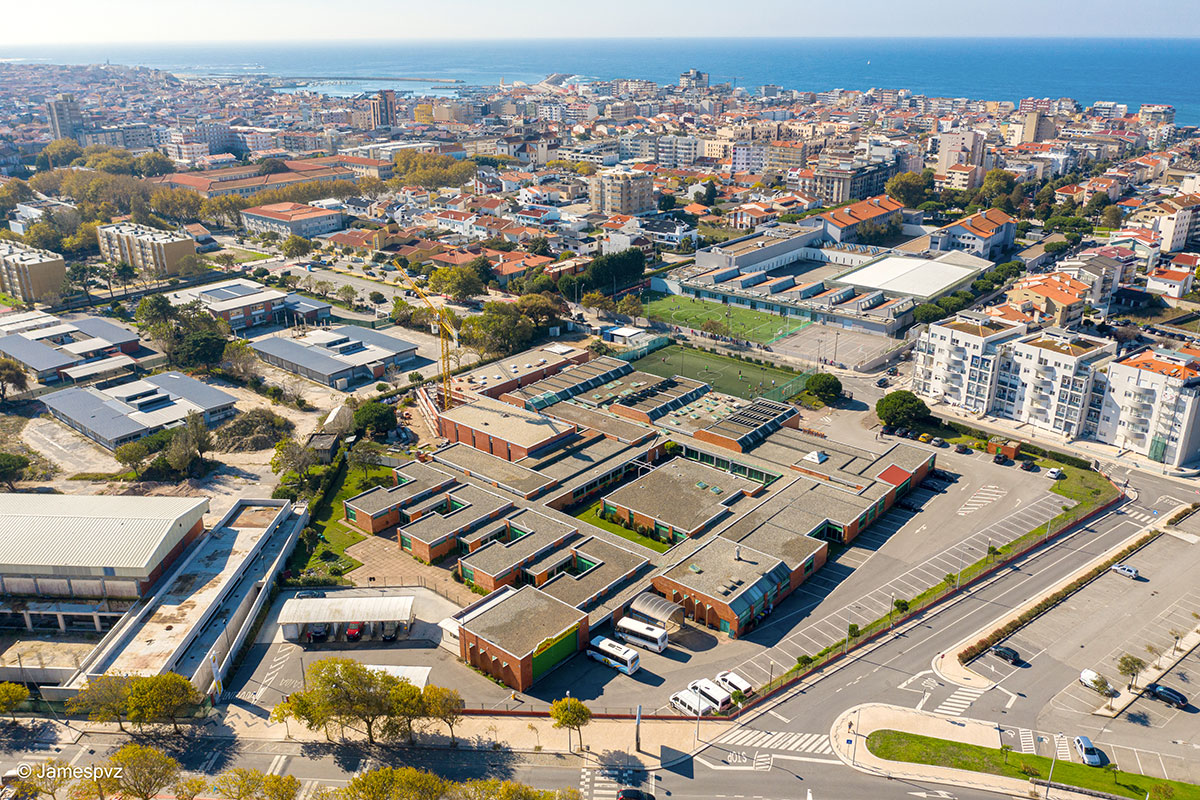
(240, 256)
(591, 515)
(742, 323)
(915, 749)
(326, 556)
(724, 374)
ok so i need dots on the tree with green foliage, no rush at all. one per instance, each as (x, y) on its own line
(379, 418)
(239, 783)
(376, 297)
(364, 455)
(296, 247)
(1130, 666)
(280, 787)
(104, 698)
(459, 283)
(709, 197)
(444, 705)
(666, 202)
(907, 188)
(132, 455)
(901, 408)
(1111, 217)
(500, 329)
(161, 698)
(291, 456)
(143, 771)
(12, 695)
(572, 714)
(343, 690)
(12, 377)
(12, 469)
(928, 312)
(542, 309)
(153, 164)
(202, 349)
(825, 387)
(630, 305)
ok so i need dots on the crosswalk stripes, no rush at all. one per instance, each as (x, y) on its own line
(208, 762)
(600, 784)
(1028, 744)
(778, 740)
(958, 702)
(277, 765)
(1140, 516)
(306, 790)
(984, 495)
(1061, 747)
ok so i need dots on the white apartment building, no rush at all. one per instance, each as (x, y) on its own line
(1046, 379)
(678, 151)
(748, 157)
(956, 361)
(1151, 405)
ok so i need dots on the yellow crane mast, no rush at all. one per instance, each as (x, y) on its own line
(446, 333)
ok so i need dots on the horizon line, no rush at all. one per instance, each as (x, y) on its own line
(648, 37)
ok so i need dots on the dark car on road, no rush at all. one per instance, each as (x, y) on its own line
(634, 794)
(999, 458)
(887, 430)
(961, 448)
(1006, 654)
(881, 382)
(1168, 695)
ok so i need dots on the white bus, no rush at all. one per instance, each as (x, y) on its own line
(616, 655)
(641, 634)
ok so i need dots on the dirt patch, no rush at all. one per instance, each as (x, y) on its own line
(71, 451)
(12, 424)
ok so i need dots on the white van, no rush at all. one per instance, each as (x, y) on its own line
(691, 704)
(714, 694)
(1089, 677)
(732, 682)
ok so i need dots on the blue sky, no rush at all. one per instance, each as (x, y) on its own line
(68, 21)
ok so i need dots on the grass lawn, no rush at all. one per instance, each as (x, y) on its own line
(1081, 485)
(591, 515)
(1151, 314)
(723, 373)
(240, 256)
(328, 522)
(743, 323)
(719, 233)
(914, 749)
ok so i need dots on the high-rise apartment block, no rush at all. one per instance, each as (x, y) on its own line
(618, 191)
(66, 120)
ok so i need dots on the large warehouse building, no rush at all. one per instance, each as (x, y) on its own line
(59, 545)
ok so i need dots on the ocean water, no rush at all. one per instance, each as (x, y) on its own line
(1131, 71)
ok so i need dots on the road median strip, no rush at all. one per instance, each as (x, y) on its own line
(904, 747)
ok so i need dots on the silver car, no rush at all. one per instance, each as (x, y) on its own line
(1087, 751)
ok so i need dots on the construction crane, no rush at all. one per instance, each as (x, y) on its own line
(447, 336)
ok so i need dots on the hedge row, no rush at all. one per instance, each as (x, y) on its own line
(1048, 602)
(1183, 513)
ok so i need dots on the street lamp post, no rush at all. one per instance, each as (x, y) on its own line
(1053, 761)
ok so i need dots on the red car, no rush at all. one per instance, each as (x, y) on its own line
(354, 631)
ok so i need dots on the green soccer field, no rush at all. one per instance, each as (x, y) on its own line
(688, 312)
(726, 375)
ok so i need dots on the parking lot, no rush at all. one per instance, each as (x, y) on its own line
(903, 553)
(274, 665)
(1092, 629)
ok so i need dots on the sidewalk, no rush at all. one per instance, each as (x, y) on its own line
(851, 729)
(946, 664)
(1112, 456)
(606, 742)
